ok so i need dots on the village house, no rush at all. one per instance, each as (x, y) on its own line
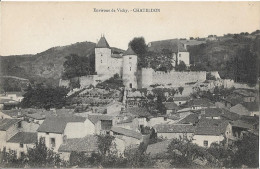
(129, 137)
(209, 131)
(201, 103)
(16, 96)
(54, 130)
(102, 123)
(180, 100)
(231, 100)
(171, 107)
(8, 128)
(246, 109)
(170, 131)
(21, 142)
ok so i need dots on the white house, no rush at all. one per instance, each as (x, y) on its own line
(53, 131)
(209, 131)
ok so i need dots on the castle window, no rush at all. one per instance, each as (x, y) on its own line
(101, 61)
(130, 68)
(130, 57)
(179, 55)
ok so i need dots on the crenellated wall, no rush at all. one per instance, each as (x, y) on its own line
(149, 77)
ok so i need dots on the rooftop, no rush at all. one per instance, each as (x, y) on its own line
(24, 138)
(138, 111)
(174, 128)
(158, 148)
(85, 144)
(201, 102)
(251, 106)
(171, 106)
(94, 118)
(211, 127)
(129, 51)
(57, 124)
(5, 124)
(102, 43)
(127, 132)
(190, 119)
(173, 45)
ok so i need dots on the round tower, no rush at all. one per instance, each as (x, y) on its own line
(130, 68)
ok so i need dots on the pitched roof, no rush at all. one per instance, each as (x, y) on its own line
(201, 102)
(129, 51)
(94, 118)
(5, 124)
(233, 99)
(138, 111)
(211, 127)
(241, 124)
(127, 132)
(251, 106)
(102, 43)
(181, 98)
(24, 138)
(190, 119)
(171, 106)
(174, 128)
(85, 144)
(57, 124)
(173, 45)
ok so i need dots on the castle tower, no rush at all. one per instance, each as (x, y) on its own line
(130, 68)
(102, 56)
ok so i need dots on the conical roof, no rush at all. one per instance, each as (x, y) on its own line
(129, 51)
(102, 43)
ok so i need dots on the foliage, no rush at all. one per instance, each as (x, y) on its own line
(104, 144)
(9, 159)
(247, 152)
(114, 82)
(44, 97)
(180, 89)
(209, 76)
(181, 66)
(198, 67)
(76, 66)
(41, 156)
(138, 45)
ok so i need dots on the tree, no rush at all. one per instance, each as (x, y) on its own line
(181, 66)
(41, 156)
(247, 152)
(76, 66)
(138, 45)
(44, 97)
(180, 89)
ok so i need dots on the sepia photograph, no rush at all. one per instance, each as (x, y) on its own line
(129, 84)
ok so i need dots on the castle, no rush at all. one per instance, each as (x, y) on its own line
(108, 63)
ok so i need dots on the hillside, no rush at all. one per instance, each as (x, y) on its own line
(46, 66)
(234, 56)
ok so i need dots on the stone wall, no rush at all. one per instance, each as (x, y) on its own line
(178, 78)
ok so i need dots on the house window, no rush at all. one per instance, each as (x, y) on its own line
(179, 102)
(130, 68)
(101, 61)
(19, 124)
(21, 145)
(52, 142)
(205, 143)
(47, 133)
(22, 154)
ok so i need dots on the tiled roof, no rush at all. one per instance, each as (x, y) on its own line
(174, 128)
(5, 124)
(181, 98)
(102, 43)
(127, 132)
(211, 127)
(24, 137)
(171, 106)
(58, 124)
(129, 51)
(94, 118)
(116, 56)
(241, 124)
(190, 119)
(85, 144)
(233, 99)
(138, 111)
(201, 102)
(251, 106)
(173, 45)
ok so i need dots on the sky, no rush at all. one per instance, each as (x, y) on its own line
(33, 27)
